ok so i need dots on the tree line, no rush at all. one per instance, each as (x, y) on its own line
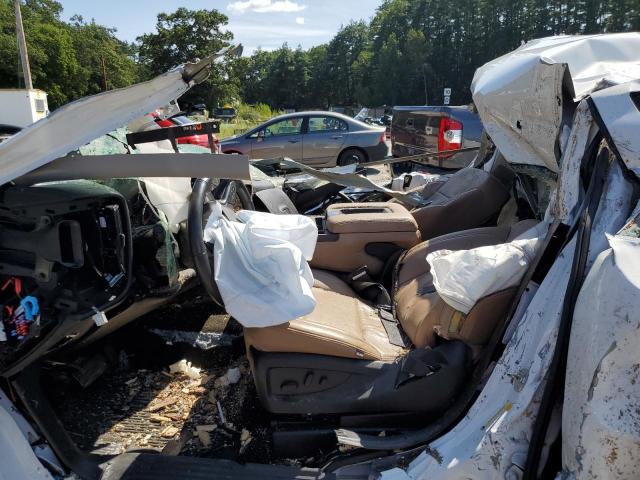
(406, 54)
(412, 49)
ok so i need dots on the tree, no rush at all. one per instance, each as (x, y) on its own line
(184, 36)
(343, 50)
(318, 87)
(65, 58)
(389, 71)
(104, 61)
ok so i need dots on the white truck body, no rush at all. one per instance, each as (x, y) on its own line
(21, 107)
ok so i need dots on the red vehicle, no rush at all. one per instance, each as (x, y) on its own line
(181, 119)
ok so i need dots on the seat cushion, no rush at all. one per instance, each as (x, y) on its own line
(423, 313)
(467, 199)
(342, 325)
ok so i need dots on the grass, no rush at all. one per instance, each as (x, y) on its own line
(248, 117)
(238, 126)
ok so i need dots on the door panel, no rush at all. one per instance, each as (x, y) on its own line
(323, 140)
(282, 138)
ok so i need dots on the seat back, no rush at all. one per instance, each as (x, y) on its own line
(468, 199)
(423, 314)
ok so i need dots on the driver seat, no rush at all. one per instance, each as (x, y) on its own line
(341, 359)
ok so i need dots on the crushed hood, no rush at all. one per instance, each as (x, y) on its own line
(79, 122)
(519, 96)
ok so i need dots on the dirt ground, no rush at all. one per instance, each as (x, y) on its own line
(170, 396)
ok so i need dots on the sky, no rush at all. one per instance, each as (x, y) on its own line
(254, 23)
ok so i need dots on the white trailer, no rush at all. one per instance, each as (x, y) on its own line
(22, 107)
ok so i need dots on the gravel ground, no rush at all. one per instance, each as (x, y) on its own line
(142, 403)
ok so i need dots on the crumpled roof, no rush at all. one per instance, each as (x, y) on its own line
(520, 99)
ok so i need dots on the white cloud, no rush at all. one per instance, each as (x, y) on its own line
(281, 33)
(300, 20)
(265, 6)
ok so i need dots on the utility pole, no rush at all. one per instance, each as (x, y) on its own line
(104, 74)
(22, 45)
(424, 77)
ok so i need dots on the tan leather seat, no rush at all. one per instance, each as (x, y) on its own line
(467, 199)
(343, 325)
(422, 312)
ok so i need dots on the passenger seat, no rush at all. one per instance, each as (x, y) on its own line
(468, 199)
(424, 315)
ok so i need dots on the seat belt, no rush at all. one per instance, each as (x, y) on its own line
(395, 334)
(366, 287)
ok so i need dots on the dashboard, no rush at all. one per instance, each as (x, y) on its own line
(71, 252)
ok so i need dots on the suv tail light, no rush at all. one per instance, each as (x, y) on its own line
(383, 137)
(449, 135)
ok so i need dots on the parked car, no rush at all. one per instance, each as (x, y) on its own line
(182, 119)
(318, 139)
(226, 114)
(419, 129)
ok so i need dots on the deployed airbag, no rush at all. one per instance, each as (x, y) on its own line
(260, 265)
(462, 277)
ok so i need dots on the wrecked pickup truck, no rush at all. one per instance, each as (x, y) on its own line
(494, 342)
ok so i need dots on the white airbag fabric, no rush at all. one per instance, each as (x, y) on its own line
(463, 277)
(260, 265)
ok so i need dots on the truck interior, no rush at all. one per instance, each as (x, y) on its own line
(121, 355)
(363, 360)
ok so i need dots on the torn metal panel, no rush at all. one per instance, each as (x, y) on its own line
(17, 459)
(81, 121)
(523, 118)
(569, 192)
(199, 339)
(412, 199)
(613, 209)
(619, 109)
(520, 99)
(601, 420)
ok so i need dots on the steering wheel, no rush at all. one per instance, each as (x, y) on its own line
(204, 194)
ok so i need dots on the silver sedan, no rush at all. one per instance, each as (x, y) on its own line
(318, 139)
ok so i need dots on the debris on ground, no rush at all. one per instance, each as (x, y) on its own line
(245, 439)
(189, 411)
(201, 340)
(186, 368)
(232, 376)
(207, 397)
(170, 431)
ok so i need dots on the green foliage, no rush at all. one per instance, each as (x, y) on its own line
(412, 49)
(248, 116)
(184, 36)
(406, 54)
(65, 58)
(255, 113)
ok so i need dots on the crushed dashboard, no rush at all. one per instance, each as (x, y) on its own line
(65, 252)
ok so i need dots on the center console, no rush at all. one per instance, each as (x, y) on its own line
(352, 235)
